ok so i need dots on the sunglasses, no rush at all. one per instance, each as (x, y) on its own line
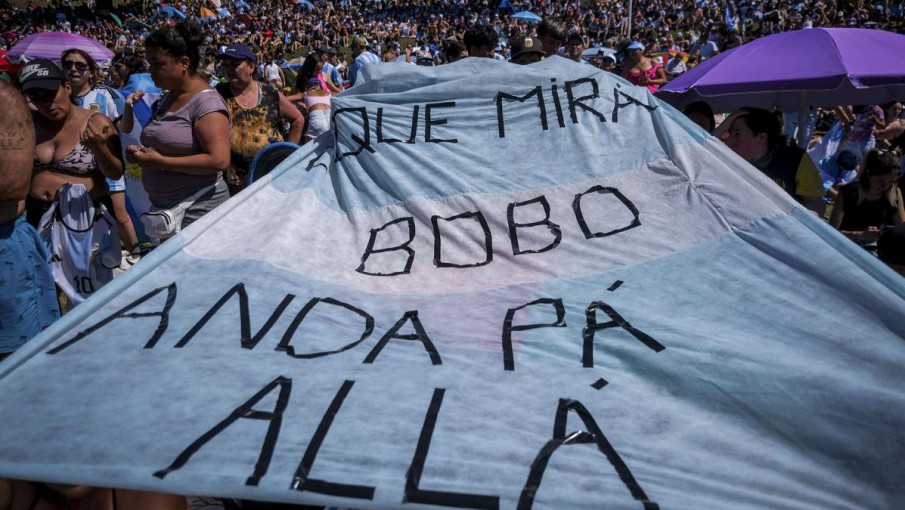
(41, 96)
(80, 66)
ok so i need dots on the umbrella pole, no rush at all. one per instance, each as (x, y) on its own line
(801, 134)
(629, 36)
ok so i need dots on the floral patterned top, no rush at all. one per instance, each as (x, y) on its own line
(251, 130)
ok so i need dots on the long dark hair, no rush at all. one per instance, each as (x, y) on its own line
(309, 69)
(97, 75)
(182, 40)
(134, 63)
(878, 162)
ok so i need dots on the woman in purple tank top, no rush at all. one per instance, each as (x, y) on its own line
(185, 147)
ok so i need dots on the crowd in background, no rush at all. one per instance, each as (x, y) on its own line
(282, 28)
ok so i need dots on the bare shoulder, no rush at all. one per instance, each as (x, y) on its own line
(100, 120)
(16, 123)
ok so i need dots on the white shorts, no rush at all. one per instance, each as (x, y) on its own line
(318, 123)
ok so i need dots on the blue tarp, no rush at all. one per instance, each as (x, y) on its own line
(541, 287)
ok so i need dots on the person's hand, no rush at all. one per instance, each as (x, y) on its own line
(95, 137)
(135, 97)
(143, 156)
(870, 234)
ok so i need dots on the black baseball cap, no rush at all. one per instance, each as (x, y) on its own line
(40, 73)
(239, 51)
(577, 36)
(526, 44)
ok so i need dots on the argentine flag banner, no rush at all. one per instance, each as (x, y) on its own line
(492, 286)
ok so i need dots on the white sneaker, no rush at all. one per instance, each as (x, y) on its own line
(128, 260)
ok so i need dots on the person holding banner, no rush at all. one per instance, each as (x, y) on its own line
(22, 495)
(362, 57)
(527, 50)
(552, 33)
(480, 41)
(185, 147)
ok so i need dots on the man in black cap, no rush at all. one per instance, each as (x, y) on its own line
(527, 50)
(575, 46)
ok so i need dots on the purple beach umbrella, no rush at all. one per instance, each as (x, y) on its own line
(52, 44)
(793, 71)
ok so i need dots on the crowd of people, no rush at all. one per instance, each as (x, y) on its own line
(278, 28)
(190, 104)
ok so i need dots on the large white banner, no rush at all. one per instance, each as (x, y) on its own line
(499, 287)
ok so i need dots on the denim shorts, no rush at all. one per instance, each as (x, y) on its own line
(28, 296)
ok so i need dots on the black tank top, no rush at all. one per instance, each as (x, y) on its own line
(868, 213)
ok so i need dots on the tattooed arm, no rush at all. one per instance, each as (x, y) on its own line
(17, 151)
